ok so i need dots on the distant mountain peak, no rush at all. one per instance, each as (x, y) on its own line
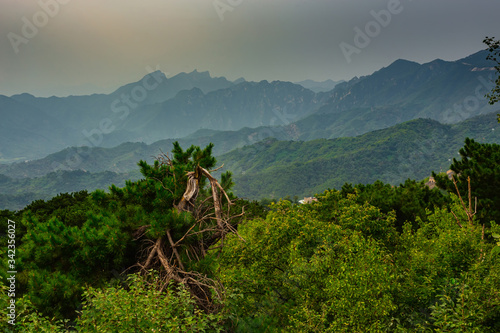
(404, 62)
(200, 75)
(398, 68)
(477, 59)
(24, 95)
(157, 73)
(436, 61)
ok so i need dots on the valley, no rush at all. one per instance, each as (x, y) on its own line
(277, 138)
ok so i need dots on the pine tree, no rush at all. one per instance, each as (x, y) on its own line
(79, 239)
(480, 162)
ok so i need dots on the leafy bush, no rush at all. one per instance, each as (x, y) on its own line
(307, 270)
(141, 307)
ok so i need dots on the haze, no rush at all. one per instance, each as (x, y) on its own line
(96, 46)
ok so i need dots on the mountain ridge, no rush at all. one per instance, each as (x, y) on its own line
(266, 168)
(412, 149)
(156, 107)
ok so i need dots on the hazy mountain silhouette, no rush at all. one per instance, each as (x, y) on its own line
(157, 107)
(317, 87)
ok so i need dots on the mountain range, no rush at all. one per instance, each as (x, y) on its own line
(448, 92)
(278, 138)
(93, 120)
(410, 150)
(270, 168)
(157, 107)
(151, 109)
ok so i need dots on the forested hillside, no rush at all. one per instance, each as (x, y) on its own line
(24, 191)
(275, 169)
(249, 166)
(181, 247)
(266, 169)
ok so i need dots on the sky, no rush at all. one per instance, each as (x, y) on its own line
(63, 47)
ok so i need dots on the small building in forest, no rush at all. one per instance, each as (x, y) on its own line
(431, 183)
(308, 200)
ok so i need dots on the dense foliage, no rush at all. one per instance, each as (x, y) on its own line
(341, 266)
(81, 239)
(365, 258)
(494, 55)
(115, 309)
(409, 201)
(272, 169)
(275, 169)
(481, 164)
(24, 190)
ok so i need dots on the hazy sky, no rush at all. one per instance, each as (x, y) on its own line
(85, 46)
